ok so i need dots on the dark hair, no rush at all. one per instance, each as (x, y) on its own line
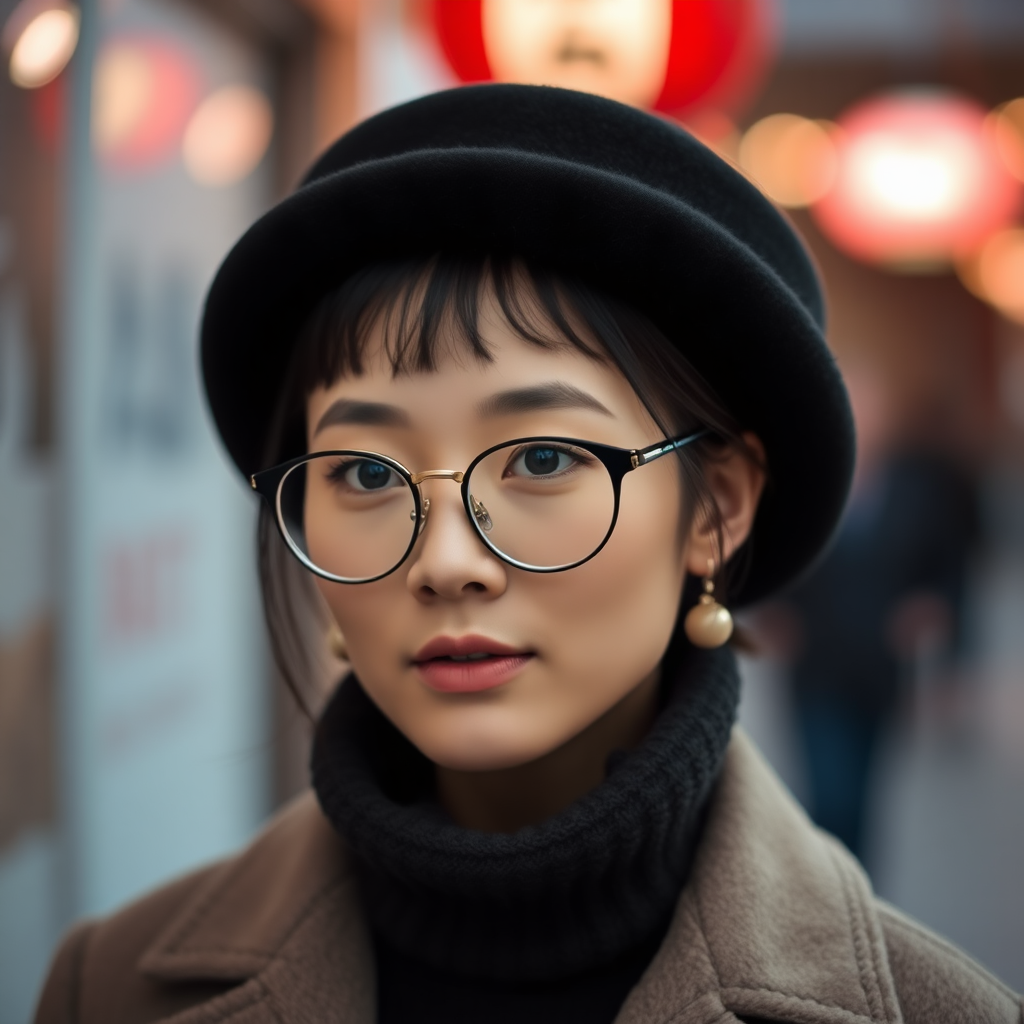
(427, 307)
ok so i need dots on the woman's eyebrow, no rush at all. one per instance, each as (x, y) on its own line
(554, 395)
(373, 414)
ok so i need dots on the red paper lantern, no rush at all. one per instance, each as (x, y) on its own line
(718, 50)
(920, 181)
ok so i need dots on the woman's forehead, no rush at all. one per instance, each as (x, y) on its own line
(518, 378)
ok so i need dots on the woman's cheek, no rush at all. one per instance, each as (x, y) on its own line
(369, 618)
(630, 596)
(611, 618)
(621, 616)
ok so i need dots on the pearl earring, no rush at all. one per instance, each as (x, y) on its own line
(708, 624)
(336, 643)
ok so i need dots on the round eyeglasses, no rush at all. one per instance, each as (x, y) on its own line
(544, 504)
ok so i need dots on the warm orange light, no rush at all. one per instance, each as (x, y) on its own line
(1006, 126)
(920, 181)
(144, 90)
(996, 273)
(41, 38)
(228, 135)
(123, 87)
(615, 48)
(792, 159)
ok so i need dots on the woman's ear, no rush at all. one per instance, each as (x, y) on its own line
(736, 481)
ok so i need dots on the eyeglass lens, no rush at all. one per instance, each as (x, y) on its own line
(352, 518)
(542, 505)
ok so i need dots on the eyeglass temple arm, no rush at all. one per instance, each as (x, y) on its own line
(655, 451)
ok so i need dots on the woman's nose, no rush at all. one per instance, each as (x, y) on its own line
(449, 561)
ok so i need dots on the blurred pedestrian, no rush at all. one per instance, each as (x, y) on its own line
(891, 585)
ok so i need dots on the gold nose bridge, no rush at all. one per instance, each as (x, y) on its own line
(432, 474)
(438, 474)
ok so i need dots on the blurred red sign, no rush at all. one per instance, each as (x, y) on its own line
(706, 54)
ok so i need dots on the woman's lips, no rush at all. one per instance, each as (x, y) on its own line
(448, 676)
(468, 664)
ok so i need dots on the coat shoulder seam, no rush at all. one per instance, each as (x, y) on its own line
(962, 959)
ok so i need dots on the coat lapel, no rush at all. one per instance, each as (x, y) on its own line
(282, 919)
(777, 922)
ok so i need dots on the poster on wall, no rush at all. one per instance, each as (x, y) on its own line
(163, 672)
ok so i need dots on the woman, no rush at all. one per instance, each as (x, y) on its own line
(521, 372)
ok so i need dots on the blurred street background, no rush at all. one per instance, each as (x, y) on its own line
(142, 729)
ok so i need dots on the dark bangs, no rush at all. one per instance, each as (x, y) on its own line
(430, 309)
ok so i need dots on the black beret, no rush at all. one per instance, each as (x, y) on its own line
(626, 201)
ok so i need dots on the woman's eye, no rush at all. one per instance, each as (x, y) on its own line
(366, 475)
(541, 461)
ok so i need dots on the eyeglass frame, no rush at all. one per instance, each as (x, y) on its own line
(617, 461)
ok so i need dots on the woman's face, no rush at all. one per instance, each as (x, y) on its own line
(572, 644)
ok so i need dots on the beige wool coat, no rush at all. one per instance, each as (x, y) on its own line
(777, 922)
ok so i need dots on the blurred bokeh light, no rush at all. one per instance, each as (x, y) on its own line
(792, 158)
(1006, 124)
(41, 38)
(995, 272)
(920, 181)
(227, 135)
(621, 51)
(144, 91)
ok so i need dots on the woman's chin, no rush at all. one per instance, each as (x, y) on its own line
(465, 750)
(471, 758)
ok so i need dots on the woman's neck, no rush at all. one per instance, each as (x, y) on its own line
(508, 799)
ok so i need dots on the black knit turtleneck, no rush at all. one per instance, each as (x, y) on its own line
(572, 907)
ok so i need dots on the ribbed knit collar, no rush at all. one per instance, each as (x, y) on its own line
(567, 895)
